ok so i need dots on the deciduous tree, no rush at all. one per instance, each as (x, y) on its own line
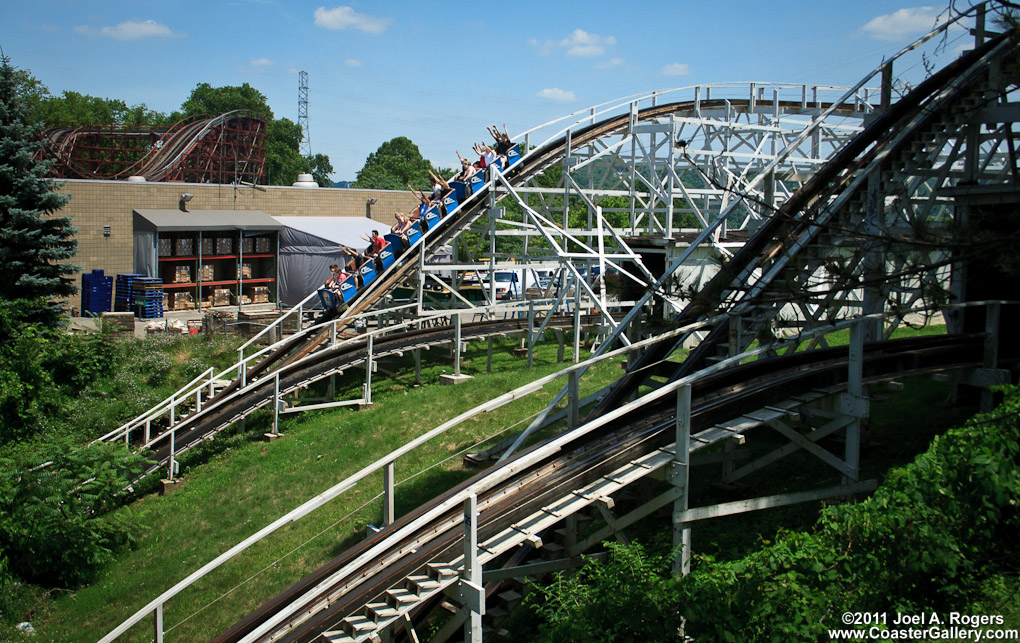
(396, 163)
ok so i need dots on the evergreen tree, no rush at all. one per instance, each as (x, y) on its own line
(34, 244)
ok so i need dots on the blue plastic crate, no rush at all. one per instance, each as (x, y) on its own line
(122, 294)
(96, 292)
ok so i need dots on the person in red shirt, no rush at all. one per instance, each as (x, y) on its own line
(378, 243)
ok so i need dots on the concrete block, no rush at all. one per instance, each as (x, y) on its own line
(448, 380)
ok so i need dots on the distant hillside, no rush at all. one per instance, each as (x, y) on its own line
(342, 184)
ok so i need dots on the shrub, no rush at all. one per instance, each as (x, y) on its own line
(57, 525)
(627, 598)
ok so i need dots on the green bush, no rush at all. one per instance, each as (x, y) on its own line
(630, 597)
(57, 525)
(27, 391)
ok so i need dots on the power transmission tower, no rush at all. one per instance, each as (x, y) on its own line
(302, 114)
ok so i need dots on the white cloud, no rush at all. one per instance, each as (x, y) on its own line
(557, 95)
(130, 30)
(611, 63)
(350, 62)
(343, 17)
(676, 69)
(261, 63)
(903, 23)
(584, 45)
(579, 44)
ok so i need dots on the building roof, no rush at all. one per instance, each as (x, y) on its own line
(176, 220)
(345, 230)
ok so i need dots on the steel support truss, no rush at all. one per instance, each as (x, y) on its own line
(718, 159)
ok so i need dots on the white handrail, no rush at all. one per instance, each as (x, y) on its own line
(152, 413)
(299, 307)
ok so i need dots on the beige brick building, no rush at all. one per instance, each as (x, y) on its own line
(95, 205)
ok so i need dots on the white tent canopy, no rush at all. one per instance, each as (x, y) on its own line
(308, 245)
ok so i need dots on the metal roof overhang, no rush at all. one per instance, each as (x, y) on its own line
(178, 221)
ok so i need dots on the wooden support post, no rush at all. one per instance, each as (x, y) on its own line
(456, 344)
(559, 339)
(276, 403)
(680, 478)
(417, 366)
(736, 335)
(170, 463)
(886, 90)
(729, 446)
(979, 25)
(570, 527)
(577, 324)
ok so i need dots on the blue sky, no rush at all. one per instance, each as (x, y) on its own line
(439, 72)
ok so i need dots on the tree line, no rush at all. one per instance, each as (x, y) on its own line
(283, 136)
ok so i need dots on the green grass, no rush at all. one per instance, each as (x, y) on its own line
(245, 485)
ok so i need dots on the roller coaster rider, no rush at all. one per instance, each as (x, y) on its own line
(331, 287)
